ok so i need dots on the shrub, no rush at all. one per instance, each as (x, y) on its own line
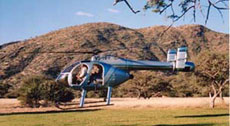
(56, 92)
(38, 88)
(4, 89)
(12, 93)
(30, 92)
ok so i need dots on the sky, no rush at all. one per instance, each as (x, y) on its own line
(25, 19)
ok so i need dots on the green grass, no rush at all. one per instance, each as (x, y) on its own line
(122, 117)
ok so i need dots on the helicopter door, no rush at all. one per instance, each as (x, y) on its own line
(78, 75)
(96, 76)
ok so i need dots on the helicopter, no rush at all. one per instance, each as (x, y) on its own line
(111, 71)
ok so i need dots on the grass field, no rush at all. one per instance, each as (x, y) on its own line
(121, 117)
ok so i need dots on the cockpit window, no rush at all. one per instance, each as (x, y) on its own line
(79, 74)
(68, 69)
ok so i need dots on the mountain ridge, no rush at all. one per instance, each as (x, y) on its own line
(20, 59)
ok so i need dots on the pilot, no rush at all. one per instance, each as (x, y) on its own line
(94, 73)
(95, 69)
(83, 72)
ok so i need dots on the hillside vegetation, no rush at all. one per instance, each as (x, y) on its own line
(21, 59)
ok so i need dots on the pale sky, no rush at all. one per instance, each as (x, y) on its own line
(24, 19)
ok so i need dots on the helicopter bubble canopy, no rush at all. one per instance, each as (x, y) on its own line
(84, 74)
(68, 69)
(78, 74)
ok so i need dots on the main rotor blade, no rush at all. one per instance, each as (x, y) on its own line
(96, 51)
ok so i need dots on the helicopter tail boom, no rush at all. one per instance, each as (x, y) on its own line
(176, 61)
(156, 65)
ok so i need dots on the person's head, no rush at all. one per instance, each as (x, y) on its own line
(83, 65)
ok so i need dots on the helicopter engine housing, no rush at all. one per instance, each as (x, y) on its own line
(116, 76)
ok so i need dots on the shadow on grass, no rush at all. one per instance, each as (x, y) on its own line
(69, 106)
(199, 116)
(88, 102)
(126, 125)
(49, 112)
(184, 125)
(100, 105)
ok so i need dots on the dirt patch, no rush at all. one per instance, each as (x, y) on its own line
(13, 105)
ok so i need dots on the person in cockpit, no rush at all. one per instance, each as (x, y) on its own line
(83, 72)
(94, 72)
(96, 75)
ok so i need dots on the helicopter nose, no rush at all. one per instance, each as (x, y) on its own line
(62, 79)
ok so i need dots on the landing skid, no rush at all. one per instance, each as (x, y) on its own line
(83, 94)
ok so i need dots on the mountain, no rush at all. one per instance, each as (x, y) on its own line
(24, 58)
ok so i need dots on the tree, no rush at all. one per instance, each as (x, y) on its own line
(213, 70)
(142, 85)
(184, 85)
(147, 85)
(184, 6)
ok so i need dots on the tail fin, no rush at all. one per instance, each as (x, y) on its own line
(178, 58)
(181, 57)
(171, 56)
